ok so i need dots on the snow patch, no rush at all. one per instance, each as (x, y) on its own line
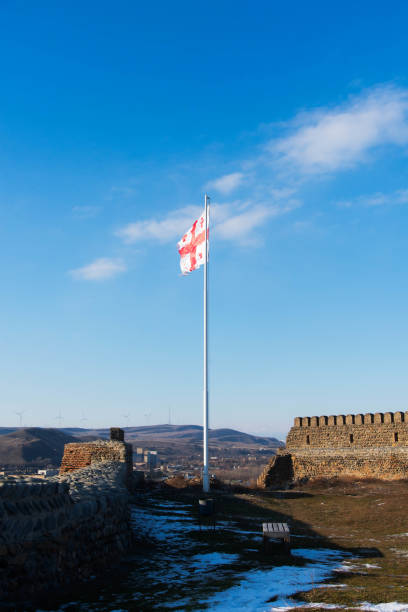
(392, 606)
(260, 586)
(207, 560)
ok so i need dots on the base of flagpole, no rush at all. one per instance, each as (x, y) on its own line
(206, 482)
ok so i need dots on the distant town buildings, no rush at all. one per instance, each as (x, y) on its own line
(147, 459)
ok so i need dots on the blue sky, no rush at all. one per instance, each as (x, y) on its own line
(114, 121)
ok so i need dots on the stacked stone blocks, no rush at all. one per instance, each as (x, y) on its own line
(344, 431)
(56, 532)
(373, 445)
(60, 531)
(78, 455)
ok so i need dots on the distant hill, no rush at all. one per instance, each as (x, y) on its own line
(33, 445)
(166, 433)
(41, 446)
(183, 434)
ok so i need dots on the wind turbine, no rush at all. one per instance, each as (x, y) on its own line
(83, 419)
(59, 418)
(148, 415)
(20, 415)
(126, 417)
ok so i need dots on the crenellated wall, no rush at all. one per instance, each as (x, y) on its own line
(361, 445)
(349, 431)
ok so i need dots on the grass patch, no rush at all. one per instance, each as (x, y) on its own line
(368, 519)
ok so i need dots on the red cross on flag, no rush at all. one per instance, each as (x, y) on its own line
(192, 246)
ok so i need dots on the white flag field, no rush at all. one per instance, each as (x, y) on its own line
(192, 246)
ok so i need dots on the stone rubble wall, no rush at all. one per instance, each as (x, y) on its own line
(278, 472)
(78, 455)
(59, 531)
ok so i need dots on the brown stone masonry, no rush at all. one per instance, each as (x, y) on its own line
(57, 532)
(350, 431)
(78, 455)
(361, 445)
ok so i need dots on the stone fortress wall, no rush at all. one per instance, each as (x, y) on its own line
(349, 431)
(58, 531)
(361, 445)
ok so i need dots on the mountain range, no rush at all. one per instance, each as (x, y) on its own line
(42, 446)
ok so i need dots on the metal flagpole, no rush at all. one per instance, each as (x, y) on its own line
(206, 479)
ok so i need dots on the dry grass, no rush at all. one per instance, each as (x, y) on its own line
(368, 519)
(244, 473)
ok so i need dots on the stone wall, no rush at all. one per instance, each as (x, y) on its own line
(361, 446)
(78, 455)
(383, 463)
(349, 431)
(59, 531)
(278, 472)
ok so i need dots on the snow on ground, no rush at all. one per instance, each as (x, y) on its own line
(208, 560)
(254, 587)
(168, 521)
(393, 606)
(258, 587)
(175, 570)
(312, 606)
(354, 567)
(400, 552)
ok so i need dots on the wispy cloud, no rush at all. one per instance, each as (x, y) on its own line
(100, 269)
(233, 221)
(85, 212)
(315, 142)
(226, 184)
(240, 227)
(164, 230)
(400, 196)
(334, 139)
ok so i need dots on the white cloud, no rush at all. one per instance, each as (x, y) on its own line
(282, 193)
(166, 229)
(378, 199)
(232, 221)
(227, 183)
(100, 269)
(240, 227)
(328, 140)
(400, 196)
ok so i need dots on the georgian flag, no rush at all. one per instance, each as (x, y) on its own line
(192, 246)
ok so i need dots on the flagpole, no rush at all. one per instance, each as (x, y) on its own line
(206, 479)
